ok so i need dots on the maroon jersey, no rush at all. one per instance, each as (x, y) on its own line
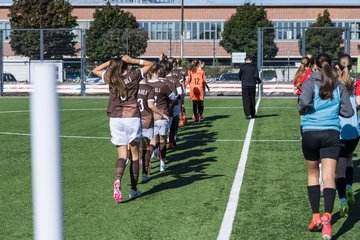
(163, 96)
(180, 73)
(174, 80)
(146, 93)
(127, 107)
(170, 81)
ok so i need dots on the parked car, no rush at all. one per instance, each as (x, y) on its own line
(269, 75)
(72, 77)
(8, 77)
(91, 78)
(229, 77)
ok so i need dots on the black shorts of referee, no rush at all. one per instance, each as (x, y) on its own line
(321, 144)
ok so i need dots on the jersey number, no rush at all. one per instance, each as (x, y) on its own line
(197, 81)
(141, 103)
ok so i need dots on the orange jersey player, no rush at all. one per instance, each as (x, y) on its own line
(197, 82)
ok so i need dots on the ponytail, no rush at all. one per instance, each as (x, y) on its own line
(328, 81)
(305, 63)
(344, 63)
(328, 78)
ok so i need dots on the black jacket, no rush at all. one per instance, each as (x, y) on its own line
(249, 75)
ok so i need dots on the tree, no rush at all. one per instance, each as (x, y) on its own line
(240, 32)
(326, 39)
(46, 14)
(114, 32)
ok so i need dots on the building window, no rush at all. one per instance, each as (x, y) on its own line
(5, 26)
(192, 30)
(355, 30)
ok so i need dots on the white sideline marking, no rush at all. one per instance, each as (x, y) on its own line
(65, 109)
(77, 137)
(104, 109)
(229, 216)
(185, 139)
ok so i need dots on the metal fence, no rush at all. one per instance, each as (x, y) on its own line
(292, 48)
(68, 49)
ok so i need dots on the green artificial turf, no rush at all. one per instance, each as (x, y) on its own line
(188, 200)
(273, 202)
(185, 202)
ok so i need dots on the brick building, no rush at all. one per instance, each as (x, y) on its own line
(203, 24)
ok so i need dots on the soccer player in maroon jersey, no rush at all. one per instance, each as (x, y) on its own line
(146, 101)
(175, 85)
(163, 97)
(181, 73)
(125, 121)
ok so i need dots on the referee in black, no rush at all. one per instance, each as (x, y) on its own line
(249, 77)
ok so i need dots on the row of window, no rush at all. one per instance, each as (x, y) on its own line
(192, 30)
(284, 30)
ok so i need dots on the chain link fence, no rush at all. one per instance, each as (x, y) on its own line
(68, 49)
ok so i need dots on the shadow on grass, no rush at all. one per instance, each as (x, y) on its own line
(351, 220)
(188, 162)
(206, 122)
(354, 216)
(266, 115)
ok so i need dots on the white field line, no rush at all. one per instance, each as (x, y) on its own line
(230, 212)
(65, 109)
(104, 109)
(77, 137)
(185, 139)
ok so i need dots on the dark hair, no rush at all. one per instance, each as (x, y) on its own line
(158, 69)
(305, 63)
(248, 58)
(172, 61)
(328, 79)
(116, 69)
(194, 64)
(179, 62)
(344, 63)
(167, 66)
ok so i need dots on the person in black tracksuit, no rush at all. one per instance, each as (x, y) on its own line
(249, 77)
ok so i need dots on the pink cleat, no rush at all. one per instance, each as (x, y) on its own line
(117, 192)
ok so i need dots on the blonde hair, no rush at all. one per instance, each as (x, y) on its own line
(305, 63)
(344, 63)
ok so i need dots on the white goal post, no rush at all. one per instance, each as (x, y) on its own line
(45, 153)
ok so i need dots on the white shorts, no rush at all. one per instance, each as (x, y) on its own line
(125, 130)
(161, 127)
(148, 133)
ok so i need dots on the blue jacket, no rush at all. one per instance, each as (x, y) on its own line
(319, 114)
